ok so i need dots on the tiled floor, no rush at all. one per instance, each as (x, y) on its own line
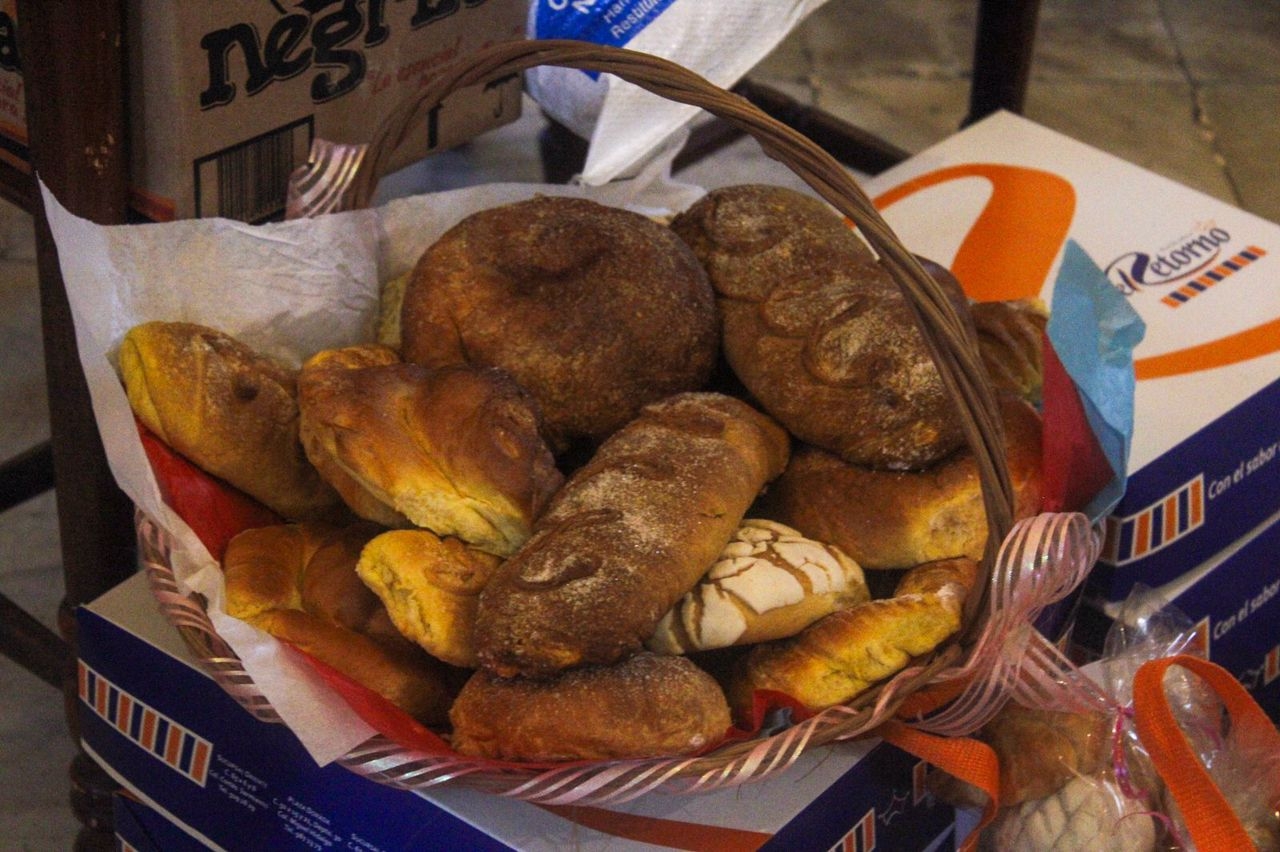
(1187, 88)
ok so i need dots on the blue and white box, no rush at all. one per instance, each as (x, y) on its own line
(187, 752)
(999, 203)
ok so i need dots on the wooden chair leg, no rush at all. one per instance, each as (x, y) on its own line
(26, 475)
(76, 103)
(1002, 54)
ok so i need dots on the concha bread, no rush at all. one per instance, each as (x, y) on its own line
(1088, 814)
(649, 705)
(455, 450)
(818, 331)
(430, 587)
(630, 532)
(230, 410)
(840, 656)
(897, 519)
(298, 583)
(769, 582)
(595, 310)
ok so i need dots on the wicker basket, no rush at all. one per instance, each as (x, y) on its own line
(953, 350)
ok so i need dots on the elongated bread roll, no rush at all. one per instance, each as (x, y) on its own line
(227, 408)
(840, 656)
(769, 582)
(629, 534)
(886, 519)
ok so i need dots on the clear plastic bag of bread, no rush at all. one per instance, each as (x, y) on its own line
(1087, 780)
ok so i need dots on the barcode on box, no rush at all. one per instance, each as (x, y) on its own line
(249, 180)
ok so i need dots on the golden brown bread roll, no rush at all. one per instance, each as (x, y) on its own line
(629, 534)
(1041, 750)
(1011, 342)
(840, 656)
(430, 587)
(896, 519)
(390, 301)
(228, 409)
(595, 310)
(649, 705)
(314, 392)
(769, 582)
(818, 331)
(456, 450)
(298, 583)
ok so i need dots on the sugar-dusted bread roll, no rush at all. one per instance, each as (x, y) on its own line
(298, 583)
(228, 409)
(769, 582)
(896, 519)
(840, 656)
(649, 705)
(631, 532)
(1011, 342)
(455, 450)
(430, 587)
(597, 311)
(818, 331)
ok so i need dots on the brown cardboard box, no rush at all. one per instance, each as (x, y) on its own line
(13, 108)
(226, 97)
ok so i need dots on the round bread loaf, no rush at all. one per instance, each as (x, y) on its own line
(649, 705)
(886, 519)
(818, 331)
(595, 310)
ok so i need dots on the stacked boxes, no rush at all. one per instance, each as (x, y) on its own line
(1203, 475)
(195, 764)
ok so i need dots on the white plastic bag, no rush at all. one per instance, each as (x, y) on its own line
(722, 41)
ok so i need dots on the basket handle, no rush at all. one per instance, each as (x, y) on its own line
(949, 341)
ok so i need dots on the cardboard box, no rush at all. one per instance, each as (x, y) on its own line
(13, 96)
(1202, 467)
(1234, 601)
(187, 753)
(226, 98)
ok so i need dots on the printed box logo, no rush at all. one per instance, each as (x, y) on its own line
(177, 747)
(1156, 526)
(328, 35)
(861, 838)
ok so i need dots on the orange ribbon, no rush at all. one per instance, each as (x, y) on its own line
(1209, 818)
(967, 759)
